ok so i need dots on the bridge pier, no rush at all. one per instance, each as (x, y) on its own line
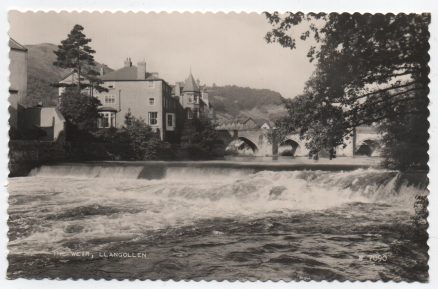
(274, 145)
(235, 134)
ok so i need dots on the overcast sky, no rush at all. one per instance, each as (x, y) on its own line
(219, 48)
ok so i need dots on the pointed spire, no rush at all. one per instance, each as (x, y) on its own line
(190, 84)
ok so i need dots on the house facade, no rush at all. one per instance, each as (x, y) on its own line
(131, 89)
(143, 94)
(17, 80)
(39, 123)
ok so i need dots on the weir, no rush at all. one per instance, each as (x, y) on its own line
(161, 169)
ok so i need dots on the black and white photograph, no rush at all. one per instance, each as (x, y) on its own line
(218, 146)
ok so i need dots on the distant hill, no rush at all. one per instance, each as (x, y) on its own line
(42, 73)
(231, 102)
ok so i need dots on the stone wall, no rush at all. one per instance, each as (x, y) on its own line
(24, 155)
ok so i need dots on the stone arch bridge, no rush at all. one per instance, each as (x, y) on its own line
(251, 138)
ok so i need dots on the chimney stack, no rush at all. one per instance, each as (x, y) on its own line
(177, 89)
(141, 70)
(128, 62)
(101, 72)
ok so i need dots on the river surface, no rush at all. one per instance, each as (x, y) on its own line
(184, 222)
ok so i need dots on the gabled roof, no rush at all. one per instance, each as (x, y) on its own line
(125, 73)
(67, 75)
(190, 85)
(106, 70)
(15, 45)
(104, 67)
(74, 75)
(128, 73)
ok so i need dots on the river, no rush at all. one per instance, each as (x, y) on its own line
(214, 221)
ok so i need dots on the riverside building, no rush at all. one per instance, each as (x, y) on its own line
(146, 96)
(193, 99)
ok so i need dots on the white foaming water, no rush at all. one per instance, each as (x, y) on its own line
(88, 171)
(206, 174)
(130, 208)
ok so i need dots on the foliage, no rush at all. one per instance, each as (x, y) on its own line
(75, 53)
(420, 217)
(200, 140)
(370, 69)
(80, 110)
(42, 75)
(117, 143)
(235, 101)
(135, 141)
(144, 143)
(34, 133)
(406, 140)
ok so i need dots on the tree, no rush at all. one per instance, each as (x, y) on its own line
(200, 140)
(145, 144)
(405, 140)
(75, 53)
(370, 69)
(80, 110)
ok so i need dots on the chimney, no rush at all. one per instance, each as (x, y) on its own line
(177, 89)
(141, 70)
(128, 62)
(101, 72)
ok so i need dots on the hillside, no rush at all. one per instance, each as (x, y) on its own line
(229, 102)
(232, 102)
(42, 74)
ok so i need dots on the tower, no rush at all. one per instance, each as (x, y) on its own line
(191, 98)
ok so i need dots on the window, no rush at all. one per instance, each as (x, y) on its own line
(189, 114)
(196, 99)
(196, 112)
(107, 120)
(190, 99)
(169, 120)
(151, 101)
(110, 99)
(153, 118)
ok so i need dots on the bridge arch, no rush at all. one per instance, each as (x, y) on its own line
(368, 147)
(288, 147)
(241, 145)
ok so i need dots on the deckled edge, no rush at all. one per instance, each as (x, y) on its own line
(206, 12)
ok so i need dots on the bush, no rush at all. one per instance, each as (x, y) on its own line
(116, 143)
(200, 140)
(135, 141)
(145, 144)
(80, 110)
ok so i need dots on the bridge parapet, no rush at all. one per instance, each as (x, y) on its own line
(236, 126)
(254, 135)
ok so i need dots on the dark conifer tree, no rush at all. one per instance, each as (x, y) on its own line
(76, 54)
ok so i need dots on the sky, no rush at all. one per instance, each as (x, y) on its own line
(225, 49)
